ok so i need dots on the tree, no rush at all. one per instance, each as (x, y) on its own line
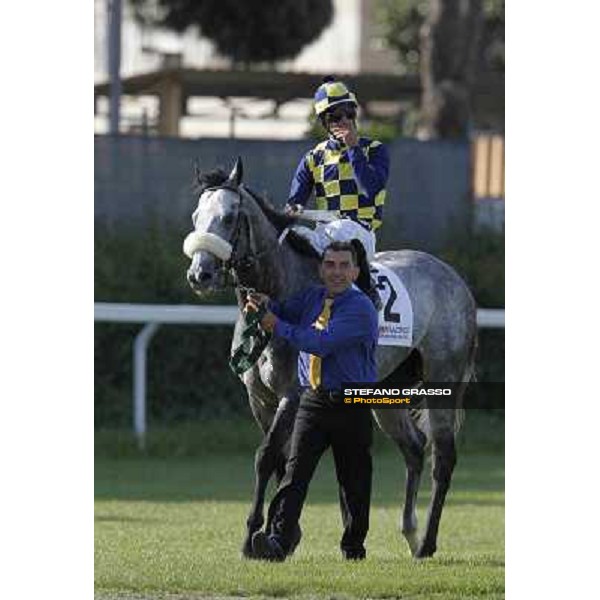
(401, 21)
(249, 31)
(451, 43)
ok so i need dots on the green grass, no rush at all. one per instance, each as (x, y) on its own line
(172, 527)
(482, 432)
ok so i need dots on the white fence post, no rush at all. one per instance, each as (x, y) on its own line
(140, 350)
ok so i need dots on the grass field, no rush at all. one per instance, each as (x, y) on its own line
(172, 527)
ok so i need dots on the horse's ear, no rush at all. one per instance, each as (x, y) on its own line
(237, 172)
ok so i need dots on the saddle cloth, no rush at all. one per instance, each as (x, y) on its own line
(396, 316)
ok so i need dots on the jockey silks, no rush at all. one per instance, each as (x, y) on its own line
(349, 180)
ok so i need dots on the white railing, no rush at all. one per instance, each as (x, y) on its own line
(154, 315)
(491, 318)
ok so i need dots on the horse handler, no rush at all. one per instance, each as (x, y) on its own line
(335, 329)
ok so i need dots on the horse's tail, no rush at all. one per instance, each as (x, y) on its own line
(469, 376)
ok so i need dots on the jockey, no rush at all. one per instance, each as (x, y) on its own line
(348, 174)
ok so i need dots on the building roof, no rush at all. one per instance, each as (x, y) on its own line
(273, 85)
(280, 86)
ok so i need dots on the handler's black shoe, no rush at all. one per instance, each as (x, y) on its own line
(354, 554)
(265, 547)
(295, 540)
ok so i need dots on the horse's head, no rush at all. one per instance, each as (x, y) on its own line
(212, 244)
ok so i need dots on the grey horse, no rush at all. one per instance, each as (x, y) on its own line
(237, 232)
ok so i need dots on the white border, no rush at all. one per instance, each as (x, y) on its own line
(552, 195)
(47, 298)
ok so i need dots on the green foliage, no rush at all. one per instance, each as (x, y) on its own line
(492, 37)
(381, 130)
(384, 130)
(188, 374)
(401, 20)
(145, 266)
(490, 358)
(479, 259)
(253, 31)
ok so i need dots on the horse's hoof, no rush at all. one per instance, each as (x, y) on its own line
(412, 539)
(425, 552)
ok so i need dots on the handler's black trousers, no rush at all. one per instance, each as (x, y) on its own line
(348, 430)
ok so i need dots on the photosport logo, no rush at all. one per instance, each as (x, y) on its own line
(424, 395)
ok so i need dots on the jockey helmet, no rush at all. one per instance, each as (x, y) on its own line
(331, 93)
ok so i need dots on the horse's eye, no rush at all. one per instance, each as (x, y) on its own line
(228, 219)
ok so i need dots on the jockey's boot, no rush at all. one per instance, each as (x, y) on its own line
(371, 291)
(365, 282)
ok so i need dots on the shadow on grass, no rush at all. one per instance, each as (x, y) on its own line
(475, 561)
(124, 519)
(473, 502)
(231, 478)
(482, 432)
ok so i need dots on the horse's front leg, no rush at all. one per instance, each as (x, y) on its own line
(269, 458)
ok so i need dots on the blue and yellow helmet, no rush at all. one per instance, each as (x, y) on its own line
(330, 93)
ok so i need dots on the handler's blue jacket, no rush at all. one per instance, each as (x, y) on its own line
(347, 344)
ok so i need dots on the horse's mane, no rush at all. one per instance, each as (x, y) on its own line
(276, 217)
(280, 221)
(208, 179)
